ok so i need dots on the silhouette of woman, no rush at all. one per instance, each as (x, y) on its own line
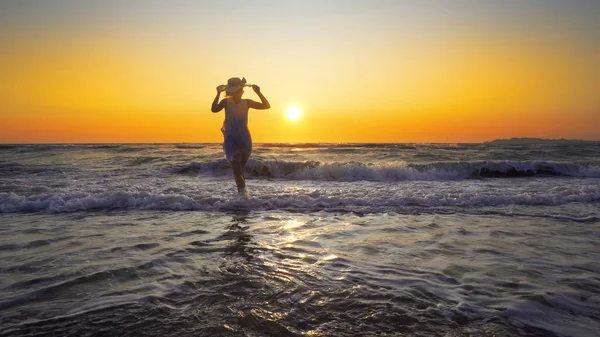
(237, 142)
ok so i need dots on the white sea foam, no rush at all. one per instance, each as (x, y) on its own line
(370, 202)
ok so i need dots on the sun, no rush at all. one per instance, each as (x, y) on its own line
(293, 113)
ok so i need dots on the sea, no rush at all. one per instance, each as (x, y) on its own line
(489, 239)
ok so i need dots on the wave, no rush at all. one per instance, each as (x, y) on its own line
(298, 145)
(11, 168)
(34, 148)
(189, 146)
(329, 146)
(210, 167)
(140, 160)
(394, 171)
(62, 202)
(46, 147)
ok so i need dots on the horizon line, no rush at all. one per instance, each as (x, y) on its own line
(217, 143)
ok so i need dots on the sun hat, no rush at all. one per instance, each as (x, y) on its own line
(235, 83)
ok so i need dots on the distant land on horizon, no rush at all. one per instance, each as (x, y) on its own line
(527, 140)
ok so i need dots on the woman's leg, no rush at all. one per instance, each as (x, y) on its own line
(236, 165)
(237, 175)
(245, 158)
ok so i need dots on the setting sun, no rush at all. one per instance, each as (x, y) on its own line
(460, 73)
(293, 113)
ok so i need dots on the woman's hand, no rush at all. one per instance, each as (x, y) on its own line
(221, 88)
(256, 88)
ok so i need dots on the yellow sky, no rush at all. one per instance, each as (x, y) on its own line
(366, 72)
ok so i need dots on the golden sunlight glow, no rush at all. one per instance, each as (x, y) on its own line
(293, 113)
(384, 72)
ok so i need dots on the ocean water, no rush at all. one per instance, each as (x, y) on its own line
(336, 240)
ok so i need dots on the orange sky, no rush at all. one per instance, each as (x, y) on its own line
(362, 71)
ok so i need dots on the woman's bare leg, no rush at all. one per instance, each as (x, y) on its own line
(245, 158)
(238, 174)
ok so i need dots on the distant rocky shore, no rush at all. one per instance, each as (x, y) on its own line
(518, 141)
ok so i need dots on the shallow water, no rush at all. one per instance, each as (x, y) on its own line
(291, 274)
(129, 240)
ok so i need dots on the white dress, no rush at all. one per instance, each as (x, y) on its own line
(235, 128)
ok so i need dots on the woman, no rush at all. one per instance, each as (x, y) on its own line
(238, 142)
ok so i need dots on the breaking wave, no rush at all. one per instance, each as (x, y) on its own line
(64, 202)
(395, 171)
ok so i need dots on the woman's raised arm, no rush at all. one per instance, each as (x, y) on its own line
(264, 104)
(216, 105)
